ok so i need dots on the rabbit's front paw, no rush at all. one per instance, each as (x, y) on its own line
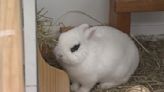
(107, 85)
(75, 87)
(83, 89)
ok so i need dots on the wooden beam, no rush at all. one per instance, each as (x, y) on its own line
(139, 5)
(11, 56)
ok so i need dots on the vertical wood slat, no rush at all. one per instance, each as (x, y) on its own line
(11, 56)
(51, 79)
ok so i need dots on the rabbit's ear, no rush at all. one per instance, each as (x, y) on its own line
(90, 34)
(84, 27)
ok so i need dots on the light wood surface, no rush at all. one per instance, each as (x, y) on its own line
(11, 56)
(51, 79)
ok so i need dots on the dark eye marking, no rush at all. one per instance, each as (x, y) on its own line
(75, 47)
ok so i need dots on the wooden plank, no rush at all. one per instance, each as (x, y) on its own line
(120, 21)
(139, 5)
(11, 56)
(51, 79)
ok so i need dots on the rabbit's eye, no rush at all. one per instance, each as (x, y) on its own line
(75, 47)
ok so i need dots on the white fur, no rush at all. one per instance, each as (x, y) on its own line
(106, 56)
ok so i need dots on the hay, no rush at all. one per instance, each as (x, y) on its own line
(150, 72)
(47, 34)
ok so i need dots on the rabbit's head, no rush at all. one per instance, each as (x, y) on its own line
(71, 48)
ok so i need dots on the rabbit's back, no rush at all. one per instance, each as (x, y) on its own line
(113, 54)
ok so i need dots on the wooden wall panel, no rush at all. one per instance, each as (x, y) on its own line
(11, 56)
(51, 79)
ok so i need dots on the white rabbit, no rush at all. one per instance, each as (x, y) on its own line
(99, 54)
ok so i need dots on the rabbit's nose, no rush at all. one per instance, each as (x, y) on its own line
(60, 56)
